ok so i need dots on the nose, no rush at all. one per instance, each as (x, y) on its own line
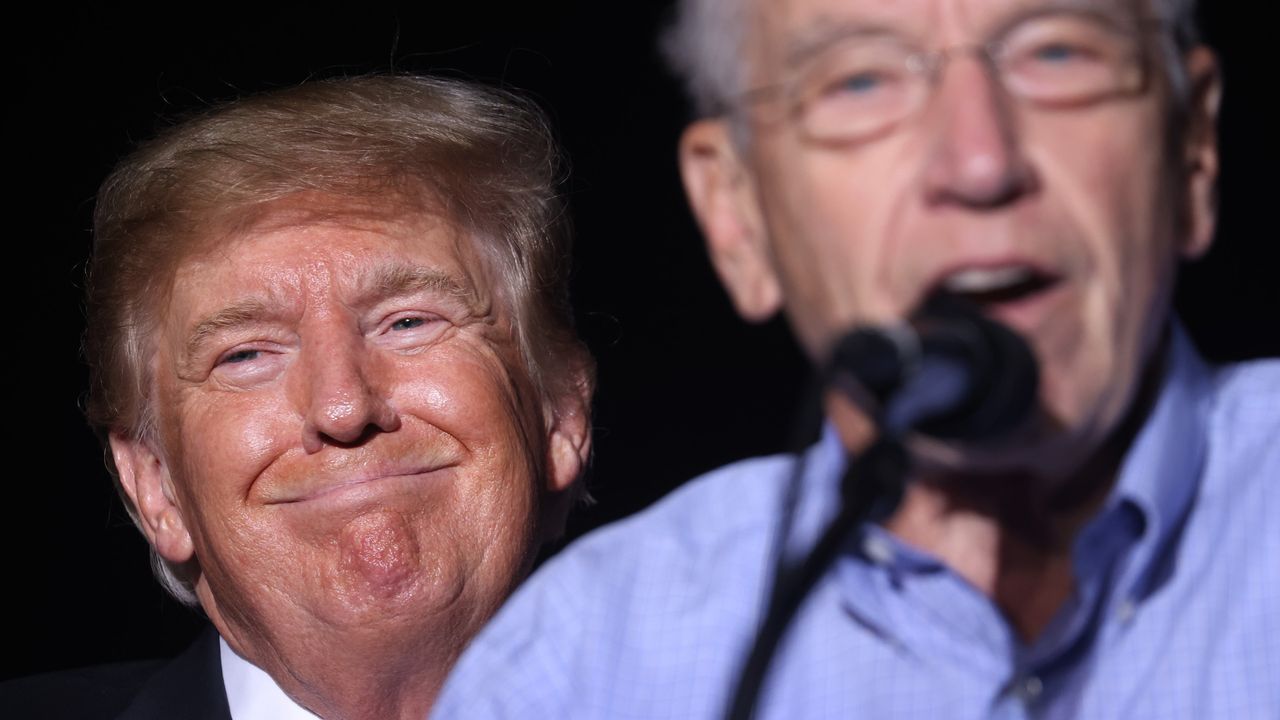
(975, 159)
(344, 398)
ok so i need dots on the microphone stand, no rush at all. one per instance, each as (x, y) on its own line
(872, 487)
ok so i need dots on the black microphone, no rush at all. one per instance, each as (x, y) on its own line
(949, 372)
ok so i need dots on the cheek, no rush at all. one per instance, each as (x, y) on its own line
(1116, 195)
(217, 446)
(230, 441)
(471, 397)
(468, 393)
(822, 217)
(232, 438)
(1114, 184)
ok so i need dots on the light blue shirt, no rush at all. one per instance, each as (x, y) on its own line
(1176, 611)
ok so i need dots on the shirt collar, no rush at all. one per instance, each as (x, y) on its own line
(1120, 548)
(1161, 471)
(1157, 480)
(252, 694)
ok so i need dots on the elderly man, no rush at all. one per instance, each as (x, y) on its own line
(335, 369)
(1051, 161)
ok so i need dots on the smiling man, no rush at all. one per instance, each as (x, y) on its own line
(333, 361)
(1051, 162)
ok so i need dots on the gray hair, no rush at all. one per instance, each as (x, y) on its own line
(704, 47)
(484, 157)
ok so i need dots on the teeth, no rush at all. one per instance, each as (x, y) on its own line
(975, 280)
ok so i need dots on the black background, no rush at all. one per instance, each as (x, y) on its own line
(684, 386)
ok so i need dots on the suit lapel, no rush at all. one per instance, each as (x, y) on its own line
(189, 686)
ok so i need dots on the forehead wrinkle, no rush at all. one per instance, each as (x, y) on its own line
(825, 29)
(825, 32)
(1113, 10)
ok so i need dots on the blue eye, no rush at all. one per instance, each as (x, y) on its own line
(240, 356)
(861, 84)
(1056, 53)
(408, 323)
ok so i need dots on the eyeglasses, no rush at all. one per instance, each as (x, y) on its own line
(860, 86)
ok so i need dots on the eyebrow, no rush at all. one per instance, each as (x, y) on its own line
(817, 38)
(388, 281)
(397, 280)
(241, 312)
(826, 31)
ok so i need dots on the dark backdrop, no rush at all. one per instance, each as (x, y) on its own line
(683, 386)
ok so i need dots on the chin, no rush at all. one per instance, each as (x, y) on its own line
(1044, 448)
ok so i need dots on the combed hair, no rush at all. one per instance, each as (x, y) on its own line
(703, 46)
(483, 157)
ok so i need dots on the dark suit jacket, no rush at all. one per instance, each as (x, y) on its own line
(189, 686)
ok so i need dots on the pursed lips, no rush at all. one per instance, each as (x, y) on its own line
(328, 483)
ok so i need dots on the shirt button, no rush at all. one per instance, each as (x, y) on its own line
(878, 550)
(1125, 610)
(1030, 688)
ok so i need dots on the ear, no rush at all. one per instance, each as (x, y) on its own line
(569, 433)
(568, 424)
(147, 483)
(1200, 155)
(723, 199)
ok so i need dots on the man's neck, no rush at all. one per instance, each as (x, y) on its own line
(377, 690)
(1012, 535)
(352, 675)
(1015, 547)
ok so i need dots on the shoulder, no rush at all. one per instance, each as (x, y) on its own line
(708, 521)
(1248, 392)
(1244, 419)
(695, 519)
(658, 590)
(1208, 630)
(94, 692)
(1239, 496)
(188, 686)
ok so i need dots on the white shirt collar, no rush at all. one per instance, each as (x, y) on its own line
(252, 694)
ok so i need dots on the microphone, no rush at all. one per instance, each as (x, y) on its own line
(949, 372)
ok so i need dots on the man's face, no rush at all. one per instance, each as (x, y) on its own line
(1068, 217)
(347, 440)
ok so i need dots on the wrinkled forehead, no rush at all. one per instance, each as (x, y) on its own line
(780, 30)
(336, 244)
(398, 213)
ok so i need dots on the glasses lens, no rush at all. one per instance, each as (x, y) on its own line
(856, 88)
(863, 85)
(1070, 59)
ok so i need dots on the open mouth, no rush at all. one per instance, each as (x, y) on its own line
(993, 286)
